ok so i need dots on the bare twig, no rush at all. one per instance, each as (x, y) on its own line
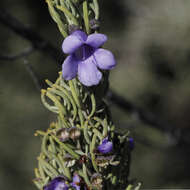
(144, 115)
(33, 75)
(26, 32)
(22, 54)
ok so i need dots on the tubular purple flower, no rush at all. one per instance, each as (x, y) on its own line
(86, 57)
(57, 183)
(106, 146)
(76, 182)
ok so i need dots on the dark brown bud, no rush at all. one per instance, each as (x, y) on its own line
(83, 159)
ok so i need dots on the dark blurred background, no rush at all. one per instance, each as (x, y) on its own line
(151, 41)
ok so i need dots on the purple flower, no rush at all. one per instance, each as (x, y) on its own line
(57, 183)
(76, 182)
(106, 146)
(85, 57)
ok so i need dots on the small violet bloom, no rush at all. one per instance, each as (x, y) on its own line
(57, 183)
(86, 57)
(106, 146)
(76, 182)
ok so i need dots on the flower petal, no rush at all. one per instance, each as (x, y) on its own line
(76, 182)
(73, 41)
(76, 178)
(57, 183)
(96, 40)
(104, 59)
(80, 35)
(106, 146)
(105, 140)
(88, 73)
(69, 67)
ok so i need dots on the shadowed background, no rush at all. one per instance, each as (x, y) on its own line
(151, 42)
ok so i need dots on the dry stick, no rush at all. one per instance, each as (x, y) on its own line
(33, 74)
(143, 115)
(26, 32)
(22, 54)
(46, 48)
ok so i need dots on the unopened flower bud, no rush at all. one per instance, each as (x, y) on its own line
(63, 134)
(74, 133)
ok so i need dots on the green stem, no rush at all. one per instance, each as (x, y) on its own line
(41, 171)
(70, 98)
(37, 174)
(66, 148)
(62, 110)
(93, 101)
(98, 134)
(81, 117)
(38, 132)
(73, 86)
(70, 5)
(52, 143)
(96, 8)
(65, 169)
(67, 13)
(104, 125)
(47, 105)
(85, 17)
(85, 131)
(48, 168)
(59, 93)
(85, 175)
(92, 147)
(74, 94)
(38, 184)
(44, 145)
(56, 18)
(129, 187)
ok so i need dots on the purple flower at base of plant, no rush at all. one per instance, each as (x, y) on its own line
(57, 183)
(106, 146)
(76, 182)
(86, 57)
